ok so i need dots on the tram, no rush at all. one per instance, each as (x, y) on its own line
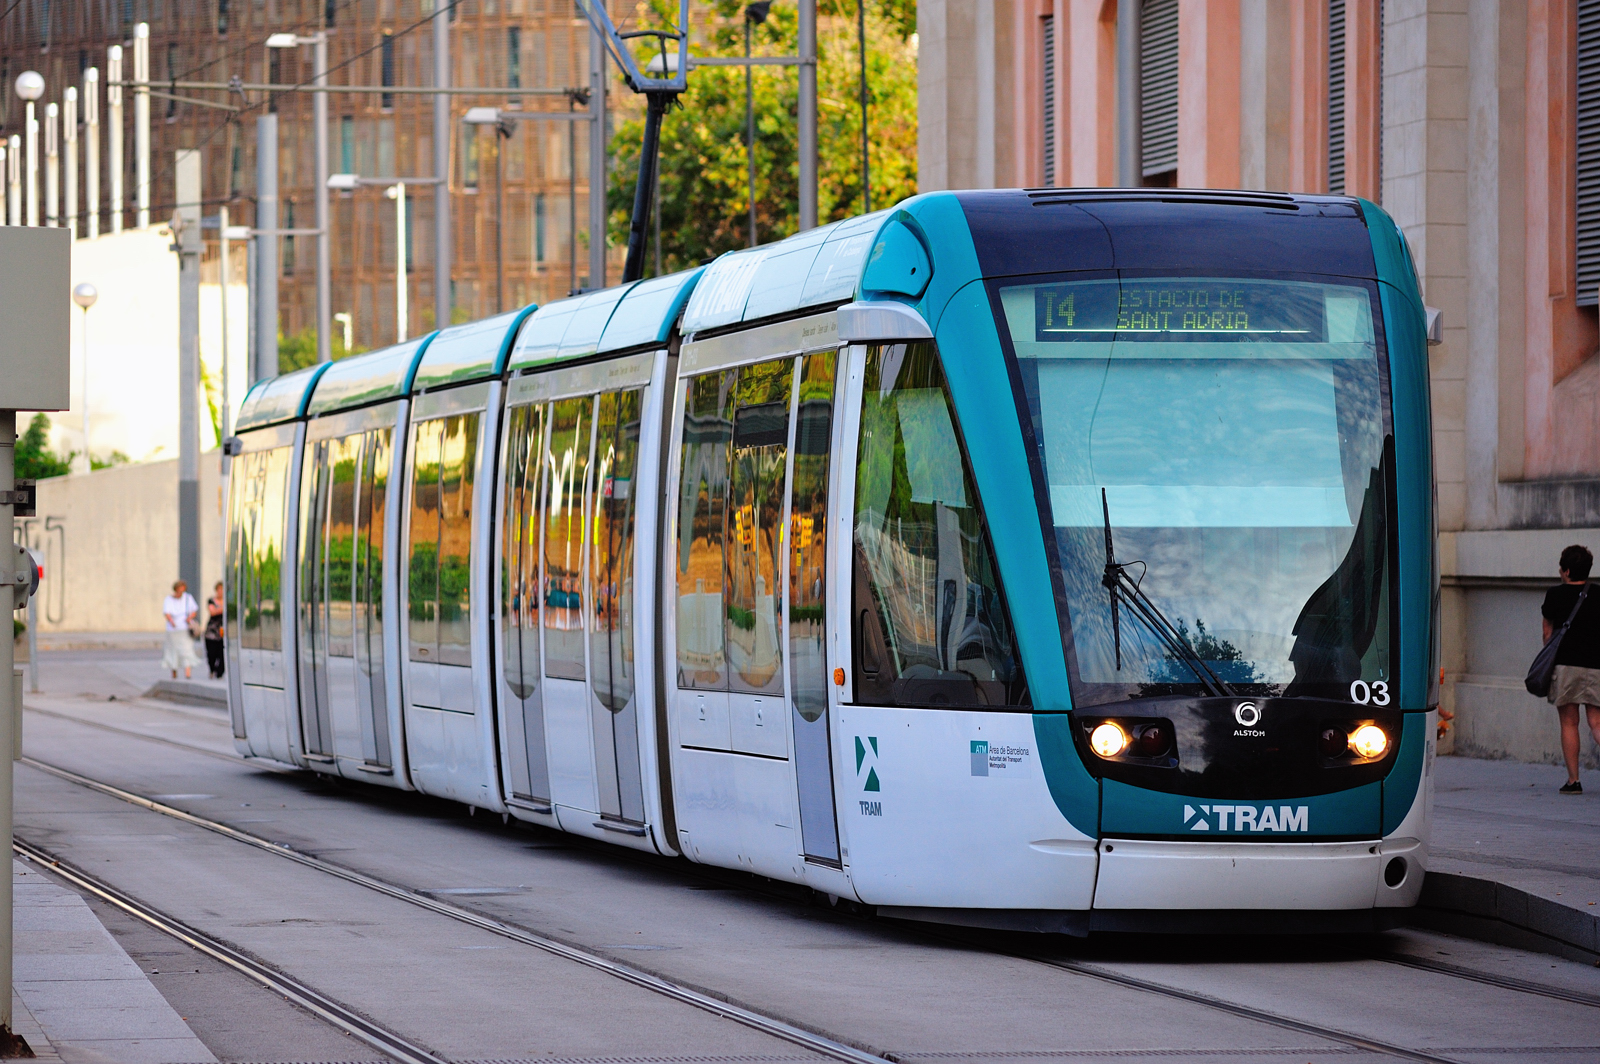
(1053, 560)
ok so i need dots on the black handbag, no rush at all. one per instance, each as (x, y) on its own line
(1543, 669)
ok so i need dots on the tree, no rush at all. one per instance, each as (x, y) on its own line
(704, 200)
(34, 458)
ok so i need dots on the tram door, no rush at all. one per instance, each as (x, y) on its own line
(521, 693)
(807, 578)
(589, 459)
(344, 703)
(257, 533)
(751, 582)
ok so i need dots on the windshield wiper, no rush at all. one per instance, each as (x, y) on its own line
(1120, 585)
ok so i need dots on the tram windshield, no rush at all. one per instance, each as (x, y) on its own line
(1224, 443)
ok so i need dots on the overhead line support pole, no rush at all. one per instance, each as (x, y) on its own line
(808, 114)
(141, 123)
(442, 249)
(319, 112)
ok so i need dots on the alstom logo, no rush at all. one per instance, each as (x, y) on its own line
(1248, 817)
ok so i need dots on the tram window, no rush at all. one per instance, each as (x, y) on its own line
(519, 564)
(808, 536)
(753, 536)
(371, 515)
(566, 461)
(343, 458)
(458, 459)
(931, 626)
(313, 556)
(702, 502)
(611, 554)
(261, 549)
(422, 621)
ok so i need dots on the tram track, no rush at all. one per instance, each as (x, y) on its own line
(820, 1044)
(779, 1028)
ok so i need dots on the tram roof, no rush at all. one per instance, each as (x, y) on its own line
(611, 319)
(368, 378)
(470, 352)
(278, 399)
(818, 267)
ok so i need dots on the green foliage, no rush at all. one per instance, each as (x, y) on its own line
(17, 628)
(35, 460)
(300, 350)
(114, 459)
(704, 178)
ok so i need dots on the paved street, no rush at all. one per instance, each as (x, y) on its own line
(898, 991)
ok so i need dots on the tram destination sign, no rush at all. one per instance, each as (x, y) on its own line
(1180, 310)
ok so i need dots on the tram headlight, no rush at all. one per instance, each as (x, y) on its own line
(1108, 740)
(1369, 741)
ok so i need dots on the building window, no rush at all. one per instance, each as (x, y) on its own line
(1049, 80)
(538, 227)
(222, 17)
(514, 62)
(172, 75)
(330, 9)
(469, 156)
(1336, 96)
(347, 144)
(387, 65)
(1588, 152)
(288, 241)
(1158, 91)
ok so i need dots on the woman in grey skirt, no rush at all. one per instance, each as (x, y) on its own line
(1577, 677)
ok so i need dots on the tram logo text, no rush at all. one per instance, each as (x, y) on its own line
(867, 763)
(1248, 818)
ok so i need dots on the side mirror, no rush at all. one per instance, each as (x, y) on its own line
(233, 447)
(1435, 326)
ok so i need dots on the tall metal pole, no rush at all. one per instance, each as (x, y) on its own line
(808, 114)
(1130, 147)
(69, 137)
(319, 117)
(14, 179)
(8, 711)
(266, 290)
(88, 453)
(442, 247)
(5, 169)
(91, 148)
(52, 165)
(866, 165)
(32, 130)
(251, 285)
(402, 310)
(572, 202)
(750, 126)
(500, 134)
(188, 190)
(114, 163)
(141, 127)
(222, 276)
(597, 159)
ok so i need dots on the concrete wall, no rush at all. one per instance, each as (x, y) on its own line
(110, 541)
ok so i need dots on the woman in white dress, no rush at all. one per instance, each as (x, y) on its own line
(180, 610)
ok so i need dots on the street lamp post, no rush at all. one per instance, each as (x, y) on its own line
(319, 119)
(69, 139)
(14, 179)
(84, 295)
(91, 152)
(754, 15)
(30, 86)
(395, 189)
(52, 165)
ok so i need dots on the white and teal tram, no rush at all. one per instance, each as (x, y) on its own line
(1057, 560)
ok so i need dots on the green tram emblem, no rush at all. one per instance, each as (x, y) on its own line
(867, 760)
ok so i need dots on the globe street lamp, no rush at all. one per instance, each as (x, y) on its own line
(84, 294)
(30, 86)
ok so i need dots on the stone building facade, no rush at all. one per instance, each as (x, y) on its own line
(1475, 123)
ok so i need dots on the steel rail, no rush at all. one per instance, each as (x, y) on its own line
(309, 998)
(1524, 986)
(781, 1029)
(1355, 1041)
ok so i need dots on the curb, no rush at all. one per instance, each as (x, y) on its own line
(1494, 912)
(189, 693)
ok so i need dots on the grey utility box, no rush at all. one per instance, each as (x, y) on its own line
(35, 317)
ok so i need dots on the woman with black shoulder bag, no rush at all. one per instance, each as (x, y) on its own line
(1569, 664)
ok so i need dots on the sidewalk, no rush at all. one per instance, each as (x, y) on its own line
(1511, 860)
(78, 996)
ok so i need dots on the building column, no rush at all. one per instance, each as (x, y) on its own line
(1308, 91)
(1086, 80)
(1208, 93)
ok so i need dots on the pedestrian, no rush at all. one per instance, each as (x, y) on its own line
(215, 633)
(180, 610)
(1576, 681)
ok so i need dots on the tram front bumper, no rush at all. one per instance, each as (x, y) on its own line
(1322, 876)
